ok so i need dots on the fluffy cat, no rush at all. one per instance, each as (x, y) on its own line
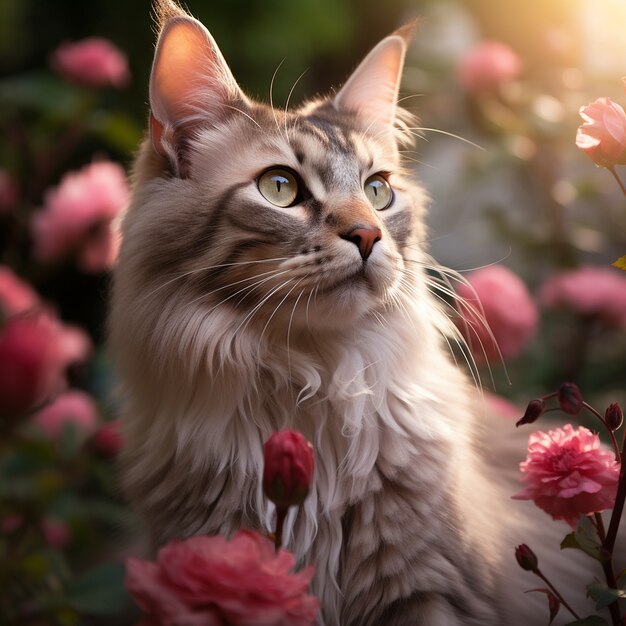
(273, 274)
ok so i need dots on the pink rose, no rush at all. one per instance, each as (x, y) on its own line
(588, 291)
(603, 134)
(488, 65)
(16, 296)
(108, 439)
(501, 298)
(78, 214)
(74, 408)
(208, 581)
(288, 469)
(35, 352)
(93, 62)
(567, 474)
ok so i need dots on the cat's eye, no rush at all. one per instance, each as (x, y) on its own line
(378, 192)
(279, 187)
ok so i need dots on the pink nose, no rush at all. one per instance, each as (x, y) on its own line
(364, 237)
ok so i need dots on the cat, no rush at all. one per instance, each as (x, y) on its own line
(274, 273)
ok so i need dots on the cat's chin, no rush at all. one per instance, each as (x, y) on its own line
(340, 307)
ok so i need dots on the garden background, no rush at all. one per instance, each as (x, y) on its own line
(509, 188)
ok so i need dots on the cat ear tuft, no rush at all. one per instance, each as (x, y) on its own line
(190, 84)
(372, 90)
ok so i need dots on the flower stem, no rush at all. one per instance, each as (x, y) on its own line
(554, 590)
(609, 542)
(618, 508)
(609, 572)
(599, 524)
(617, 178)
(280, 521)
(589, 408)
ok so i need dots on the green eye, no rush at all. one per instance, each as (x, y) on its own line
(278, 187)
(378, 192)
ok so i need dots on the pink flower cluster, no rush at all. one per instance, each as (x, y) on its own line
(209, 581)
(568, 474)
(93, 62)
(499, 312)
(588, 291)
(77, 217)
(499, 317)
(488, 65)
(35, 347)
(56, 532)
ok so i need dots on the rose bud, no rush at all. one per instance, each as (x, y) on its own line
(534, 410)
(602, 136)
(570, 398)
(288, 470)
(614, 416)
(526, 558)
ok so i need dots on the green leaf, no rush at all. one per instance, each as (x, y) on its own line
(100, 591)
(603, 594)
(592, 620)
(41, 91)
(584, 538)
(119, 130)
(620, 263)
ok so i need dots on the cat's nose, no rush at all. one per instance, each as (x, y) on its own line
(364, 237)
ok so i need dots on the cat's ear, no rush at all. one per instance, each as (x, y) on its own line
(372, 90)
(190, 84)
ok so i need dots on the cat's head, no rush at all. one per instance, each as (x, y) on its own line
(303, 217)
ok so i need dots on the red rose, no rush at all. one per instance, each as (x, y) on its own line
(288, 470)
(35, 351)
(209, 581)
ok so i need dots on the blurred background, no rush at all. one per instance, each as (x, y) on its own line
(495, 149)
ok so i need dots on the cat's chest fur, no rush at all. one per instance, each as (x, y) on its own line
(391, 425)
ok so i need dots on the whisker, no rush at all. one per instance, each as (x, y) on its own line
(448, 134)
(466, 310)
(272, 100)
(308, 302)
(293, 311)
(248, 318)
(289, 98)
(270, 274)
(229, 106)
(245, 289)
(210, 267)
(451, 331)
(269, 319)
